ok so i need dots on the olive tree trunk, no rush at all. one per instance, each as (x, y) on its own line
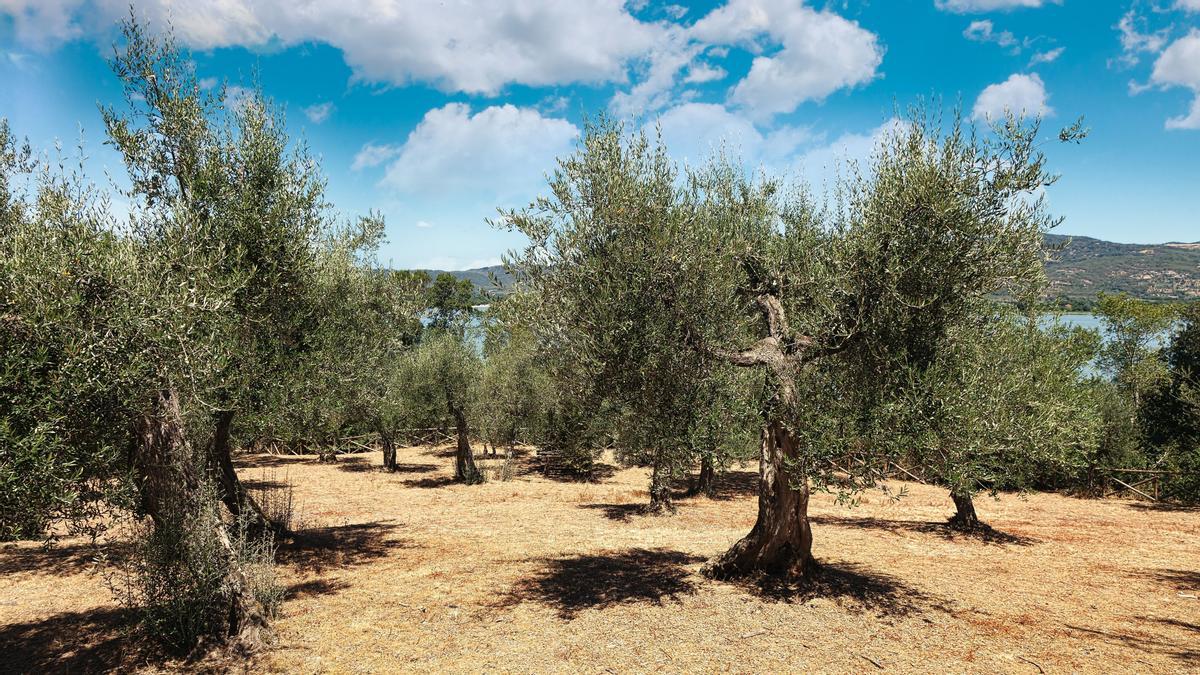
(781, 541)
(171, 486)
(235, 496)
(964, 512)
(660, 488)
(389, 449)
(464, 459)
(706, 482)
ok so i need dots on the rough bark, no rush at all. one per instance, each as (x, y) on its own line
(170, 484)
(389, 447)
(464, 458)
(706, 482)
(964, 517)
(660, 490)
(781, 541)
(235, 496)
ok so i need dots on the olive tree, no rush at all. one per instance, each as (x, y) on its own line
(1003, 404)
(825, 303)
(437, 379)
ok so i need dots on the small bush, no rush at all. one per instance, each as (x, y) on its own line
(178, 576)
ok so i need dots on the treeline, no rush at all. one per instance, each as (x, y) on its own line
(688, 318)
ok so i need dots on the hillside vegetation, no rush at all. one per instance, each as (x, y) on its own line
(1079, 269)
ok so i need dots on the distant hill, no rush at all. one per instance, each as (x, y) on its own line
(1079, 268)
(1085, 266)
(481, 277)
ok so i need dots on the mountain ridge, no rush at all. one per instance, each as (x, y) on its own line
(1079, 267)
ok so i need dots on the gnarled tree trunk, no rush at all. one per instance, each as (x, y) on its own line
(660, 489)
(235, 496)
(464, 459)
(389, 446)
(171, 486)
(964, 512)
(706, 482)
(781, 541)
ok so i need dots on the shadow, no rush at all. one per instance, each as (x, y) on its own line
(433, 483)
(1180, 580)
(1176, 623)
(354, 464)
(345, 546)
(728, 485)
(95, 641)
(1188, 654)
(581, 582)
(443, 452)
(57, 559)
(313, 588)
(621, 512)
(1164, 507)
(270, 461)
(264, 484)
(414, 468)
(601, 471)
(984, 533)
(849, 584)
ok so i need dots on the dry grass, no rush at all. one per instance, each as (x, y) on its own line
(411, 572)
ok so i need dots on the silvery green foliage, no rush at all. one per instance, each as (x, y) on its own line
(1004, 405)
(649, 279)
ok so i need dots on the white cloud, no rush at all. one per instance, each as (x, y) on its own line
(821, 52)
(499, 154)
(1134, 42)
(1179, 65)
(1188, 5)
(984, 31)
(424, 224)
(371, 155)
(968, 6)
(319, 112)
(1020, 94)
(1048, 56)
(206, 83)
(703, 72)
(456, 45)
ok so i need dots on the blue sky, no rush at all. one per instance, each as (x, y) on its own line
(435, 112)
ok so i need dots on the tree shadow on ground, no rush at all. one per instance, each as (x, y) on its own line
(270, 461)
(849, 584)
(93, 641)
(440, 451)
(1186, 652)
(314, 587)
(728, 485)
(57, 559)
(983, 533)
(337, 547)
(621, 512)
(1180, 580)
(571, 585)
(432, 482)
(1164, 506)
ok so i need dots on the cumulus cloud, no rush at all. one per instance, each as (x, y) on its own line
(1020, 94)
(1188, 5)
(319, 112)
(456, 45)
(970, 6)
(1179, 66)
(499, 153)
(820, 52)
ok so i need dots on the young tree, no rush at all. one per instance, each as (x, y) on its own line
(450, 301)
(830, 301)
(1004, 404)
(1134, 331)
(438, 378)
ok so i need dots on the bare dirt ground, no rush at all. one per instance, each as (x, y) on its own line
(411, 572)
